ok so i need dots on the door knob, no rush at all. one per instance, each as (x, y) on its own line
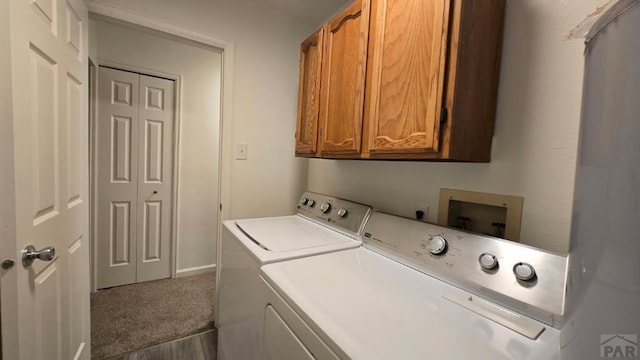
(29, 254)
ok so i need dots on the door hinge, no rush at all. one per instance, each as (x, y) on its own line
(220, 206)
(443, 115)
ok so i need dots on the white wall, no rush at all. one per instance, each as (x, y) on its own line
(535, 141)
(199, 69)
(266, 43)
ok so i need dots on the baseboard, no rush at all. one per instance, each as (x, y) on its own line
(196, 270)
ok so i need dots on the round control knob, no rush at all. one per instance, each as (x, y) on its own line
(325, 208)
(343, 212)
(437, 245)
(304, 201)
(524, 271)
(488, 261)
(311, 203)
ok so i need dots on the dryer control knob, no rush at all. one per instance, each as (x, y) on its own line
(524, 271)
(488, 261)
(343, 212)
(311, 203)
(437, 245)
(304, 201)
(325, 208)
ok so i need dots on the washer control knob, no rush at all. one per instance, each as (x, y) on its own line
(437, 245)
(325, 208)
(524, 271)
(311, 203)
(304, 201)
(488, 261)
(343, 212)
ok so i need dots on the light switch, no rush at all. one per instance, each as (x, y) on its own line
(241, 151)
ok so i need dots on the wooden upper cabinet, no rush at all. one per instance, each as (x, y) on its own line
(344, 67)
(309, 94)
(406, 70)
(410, 79)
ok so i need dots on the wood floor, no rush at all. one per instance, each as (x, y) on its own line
(197, 347)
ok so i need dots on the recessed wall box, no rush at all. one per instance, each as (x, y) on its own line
(491, 214)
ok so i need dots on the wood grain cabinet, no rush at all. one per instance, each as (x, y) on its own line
(422, 87)
(309, 95)
(343, 80)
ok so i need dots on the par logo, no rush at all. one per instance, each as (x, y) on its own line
(619, 346)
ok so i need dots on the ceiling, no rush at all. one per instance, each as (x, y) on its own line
(315, 11)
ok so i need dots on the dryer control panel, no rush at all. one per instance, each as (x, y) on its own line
(525, 279)
(345, 216)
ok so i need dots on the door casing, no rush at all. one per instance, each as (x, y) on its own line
(226, 113)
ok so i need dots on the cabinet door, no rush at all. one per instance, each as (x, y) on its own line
(344, 66)
(407, 52)
(309, 94)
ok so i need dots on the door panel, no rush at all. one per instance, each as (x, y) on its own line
(120, 234)
(121, 156)
(46, 11)
(344, 66)
(152, 233)
(48, 312)
(155, 181)
(50, 299)
(74, 135)
(45, 94)
(117, 177)
(153, 156)
(79, 283)
(406, 64)
(73, 26)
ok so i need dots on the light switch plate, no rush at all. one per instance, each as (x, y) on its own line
(241, 151)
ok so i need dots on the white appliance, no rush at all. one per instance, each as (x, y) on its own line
(416, 291)
(603, 296)
(322, 224)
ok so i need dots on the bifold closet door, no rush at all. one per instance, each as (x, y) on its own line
(117, 176)
(133, 172)
(155, 126)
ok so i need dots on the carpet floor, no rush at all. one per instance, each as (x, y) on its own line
(132, 317)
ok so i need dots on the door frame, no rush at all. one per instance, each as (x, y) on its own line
(8, 248)
(93, 117)
(225, 131)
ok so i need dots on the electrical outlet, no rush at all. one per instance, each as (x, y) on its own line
(425, 212)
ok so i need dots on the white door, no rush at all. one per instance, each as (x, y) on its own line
(45, 305)
(155, 178)
(134, 177)
(117, 177)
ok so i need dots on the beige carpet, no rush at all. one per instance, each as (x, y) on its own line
(133, 317)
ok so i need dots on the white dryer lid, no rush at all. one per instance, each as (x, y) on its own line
(289, 233)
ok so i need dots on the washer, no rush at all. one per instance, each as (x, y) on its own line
(322, 224)
(416, 291)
